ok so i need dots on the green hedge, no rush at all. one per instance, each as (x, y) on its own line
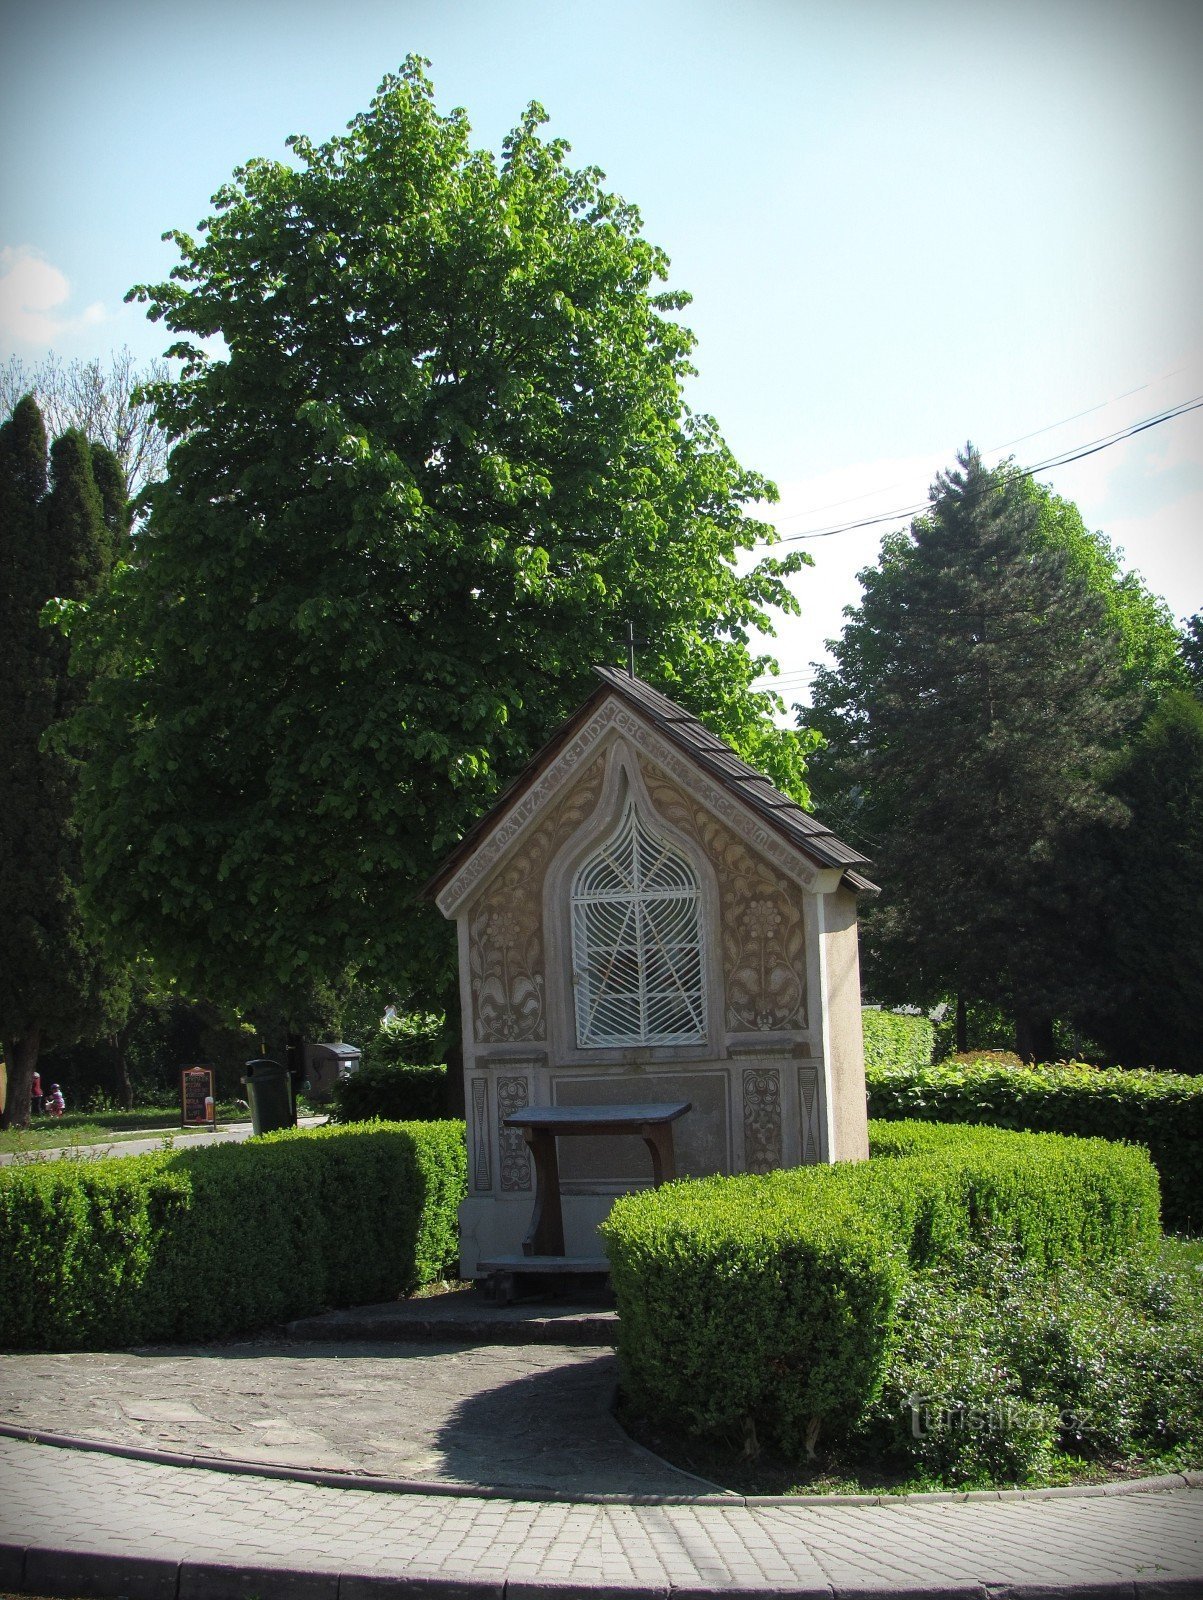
(392, 1091)
(896, 1041)
(768, 1302)
(1161, 1110)
(204, 1243)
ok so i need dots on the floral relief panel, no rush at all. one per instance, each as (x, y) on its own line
(505, 933)
(762, 1118)
(763, 943)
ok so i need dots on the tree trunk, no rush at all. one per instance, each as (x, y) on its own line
(294, 1059)
(22, 1058)
(1034, 1035)
(125, 1089)
(962, 1025)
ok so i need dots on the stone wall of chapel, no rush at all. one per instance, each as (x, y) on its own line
(761, 929)
(506, 945)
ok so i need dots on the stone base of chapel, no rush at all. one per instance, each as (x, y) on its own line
(491, 1226)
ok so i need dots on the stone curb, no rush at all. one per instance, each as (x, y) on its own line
(434, 1330)
(459, 1491)
(81, 1574)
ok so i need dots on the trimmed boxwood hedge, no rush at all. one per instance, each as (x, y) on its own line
(392, 1091)
(1161, 1110)
(767, 1303)
(204, 1243)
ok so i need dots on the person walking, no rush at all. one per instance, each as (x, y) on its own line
(35, 1094)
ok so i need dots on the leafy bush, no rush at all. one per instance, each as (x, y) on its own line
(1161, 1110)
(203, 1243)
(768, 1303)
(998, 1367)
(894, 1041)
(393, 1091)
(413, 1039)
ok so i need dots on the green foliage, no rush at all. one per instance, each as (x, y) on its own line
(998, 1368)
(1143, 624)
(1161, 1110)
(1190, 649)
(193, 1244)
(416, 1039)
(893, 1040)
(393, 1090)
(765, 1306)
(741, 1303)
(1146, 890)
(977, 694)
(57, 537)
(443, 461)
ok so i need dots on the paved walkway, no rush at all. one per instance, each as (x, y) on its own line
(519, 1418)
(76, 1523)
(182, 1138)
(341, 1469)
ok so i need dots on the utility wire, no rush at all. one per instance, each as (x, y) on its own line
(1076, 454)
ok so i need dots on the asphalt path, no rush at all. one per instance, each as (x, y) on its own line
(147, 1139)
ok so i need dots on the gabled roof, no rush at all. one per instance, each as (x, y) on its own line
(683, 730)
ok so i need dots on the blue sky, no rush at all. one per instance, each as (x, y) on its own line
(904, 225)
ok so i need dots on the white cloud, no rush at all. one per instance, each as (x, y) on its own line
(34, 295)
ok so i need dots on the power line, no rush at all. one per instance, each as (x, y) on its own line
(1077, 454)
(1049, 427)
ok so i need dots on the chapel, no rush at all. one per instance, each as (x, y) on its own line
(643, 917)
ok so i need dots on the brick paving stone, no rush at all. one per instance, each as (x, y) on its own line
(212, 1523)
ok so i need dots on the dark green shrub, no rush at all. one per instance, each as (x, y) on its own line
(768, 1302)
(1161, 1110)
(203, 1243)
(742, 1305)
(1057, 1200)
(894, 1041)
(998, 1365)
(393, 1092)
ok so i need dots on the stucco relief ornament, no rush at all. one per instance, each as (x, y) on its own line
(762, 1118)
(506, 954)
(505, 932)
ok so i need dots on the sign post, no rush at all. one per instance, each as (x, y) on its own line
(197, 1108)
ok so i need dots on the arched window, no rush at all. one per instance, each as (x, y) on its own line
(637, 942)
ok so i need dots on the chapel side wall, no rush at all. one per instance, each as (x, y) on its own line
(849, 1123)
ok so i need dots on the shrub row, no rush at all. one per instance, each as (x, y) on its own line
(1161, 1110)
(203, 1243)
(894, 1041)
(393, 1092)
(767, 1303)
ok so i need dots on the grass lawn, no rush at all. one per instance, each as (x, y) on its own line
(75, 1129)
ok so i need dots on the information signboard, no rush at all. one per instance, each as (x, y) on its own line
(197, 1107)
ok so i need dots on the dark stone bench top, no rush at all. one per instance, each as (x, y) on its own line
(611, 1119)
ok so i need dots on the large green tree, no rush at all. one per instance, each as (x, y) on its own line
(976, 694)
(1191, 651)
(442, 462)
(57, 539)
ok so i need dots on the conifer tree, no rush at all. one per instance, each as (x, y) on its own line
(975, 696)
(1149, 878)
(55, 541)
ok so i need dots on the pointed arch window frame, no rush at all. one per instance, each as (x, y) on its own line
(638, 941)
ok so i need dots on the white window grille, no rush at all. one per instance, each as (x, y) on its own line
(637, 942)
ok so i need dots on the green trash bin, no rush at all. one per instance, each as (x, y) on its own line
(269, 1089)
